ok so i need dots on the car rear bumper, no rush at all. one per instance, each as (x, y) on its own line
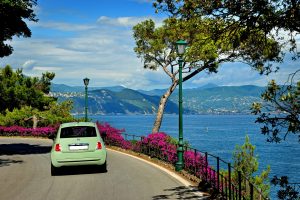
(59, 159)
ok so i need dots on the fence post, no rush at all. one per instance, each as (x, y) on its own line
(229, 179)
(206, 167)
(251, 191)
(218, 174)
(148, 148)
(240, 184)
(222, 183)
(195, 162)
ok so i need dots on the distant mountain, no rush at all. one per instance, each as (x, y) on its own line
(209, 85)
(155, 92)
(159, 92)
(105, 101)
(66, 88)
(220, 100)
(209, 99)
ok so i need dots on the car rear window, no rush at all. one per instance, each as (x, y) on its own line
(78, 131)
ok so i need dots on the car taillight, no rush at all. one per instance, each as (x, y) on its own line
(57, 147)
(99, 145)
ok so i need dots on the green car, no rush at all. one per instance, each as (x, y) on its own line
(76, 144)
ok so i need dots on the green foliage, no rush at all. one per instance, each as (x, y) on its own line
(45, 82)
(245, 161)
(208, 42)
(288, 191)
(265, 16)
(174, 141)
(253, 30)
(18, 117)
(243, 22)
(13, 14)
(17, 90)
(209, 45)
(24, 100)
(56, 114)
(280, 110)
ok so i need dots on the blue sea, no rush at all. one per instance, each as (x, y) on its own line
(218, 135)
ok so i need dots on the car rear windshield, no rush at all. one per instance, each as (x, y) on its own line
(78, 131)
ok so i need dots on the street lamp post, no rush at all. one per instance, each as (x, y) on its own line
(86, 82)
(181, 45)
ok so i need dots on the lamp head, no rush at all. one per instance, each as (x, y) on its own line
(86, 81)
(181, 45)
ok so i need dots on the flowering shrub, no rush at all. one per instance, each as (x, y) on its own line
(23, 131)
(113, 136)
(193, 159)
(159, 146)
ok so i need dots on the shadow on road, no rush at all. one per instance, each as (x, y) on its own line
(23, 149)
(7, 162)
(79, 170)
(181, 192)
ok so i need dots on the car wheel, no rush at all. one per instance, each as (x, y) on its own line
(103, 167)
(54, 170)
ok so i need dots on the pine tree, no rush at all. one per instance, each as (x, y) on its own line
(245, 161)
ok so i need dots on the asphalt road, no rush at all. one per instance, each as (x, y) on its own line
(25, 175)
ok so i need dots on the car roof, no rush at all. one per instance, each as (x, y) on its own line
(71, 124)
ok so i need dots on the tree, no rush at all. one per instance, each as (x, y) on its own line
(275, 18)
(210, 45)
(280, 110)
(17, 90)
(13, 14)
(269, 16)
(288, 191)
(55, 114)
(245, 161)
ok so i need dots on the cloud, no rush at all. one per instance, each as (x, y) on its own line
(64, 26)
(235, 74)
(51, 69)
(125, 21)
(29, 64)
(103, 52)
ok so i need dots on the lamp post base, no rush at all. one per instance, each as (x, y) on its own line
(180, 163)
(178, 167)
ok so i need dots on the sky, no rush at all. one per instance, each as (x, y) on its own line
(78, 38)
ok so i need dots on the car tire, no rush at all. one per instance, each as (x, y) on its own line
(54, 170)
(103, 168)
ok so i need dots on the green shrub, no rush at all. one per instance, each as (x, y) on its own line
(56, 113)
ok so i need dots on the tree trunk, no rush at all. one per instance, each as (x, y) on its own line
(35, 121)
(161, 107)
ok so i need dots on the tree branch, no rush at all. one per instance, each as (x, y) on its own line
(187, 77)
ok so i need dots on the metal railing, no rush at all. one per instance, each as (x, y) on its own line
(217, 173)
(224, 179)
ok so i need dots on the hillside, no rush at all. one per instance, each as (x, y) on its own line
(209, 99)
(220, 100)
(105, 101)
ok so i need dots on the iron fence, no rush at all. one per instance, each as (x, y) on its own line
(217, 173)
